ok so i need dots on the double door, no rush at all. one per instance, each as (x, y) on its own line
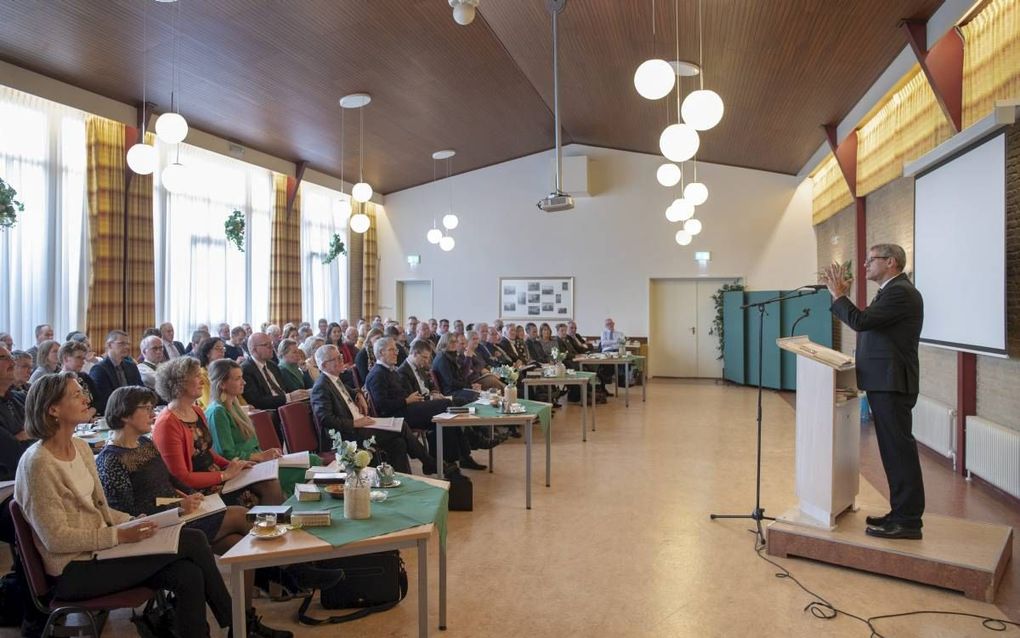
(682, 340)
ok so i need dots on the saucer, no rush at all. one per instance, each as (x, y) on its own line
(277, 533)
(395, 483)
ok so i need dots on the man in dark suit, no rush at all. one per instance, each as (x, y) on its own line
(337, 407)
(115, 370)
(888, 332)
(449, 374)
(171, 349)
(263, 381)
(392, 397)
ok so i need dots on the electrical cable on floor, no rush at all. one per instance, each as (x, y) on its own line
(824, 610)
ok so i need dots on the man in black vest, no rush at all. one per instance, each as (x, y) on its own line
(888, 332)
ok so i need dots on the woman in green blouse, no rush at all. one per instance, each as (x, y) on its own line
(232, 430)
(291, 359)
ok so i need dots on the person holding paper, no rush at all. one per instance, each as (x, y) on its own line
(888, 333)
(58, 489)
(182, 435)
(232, 430)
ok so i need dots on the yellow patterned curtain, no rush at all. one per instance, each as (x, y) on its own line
(907, 126)
(829, 192)
(991, 58)
(106, 179)
(370, 266)
(285, 260)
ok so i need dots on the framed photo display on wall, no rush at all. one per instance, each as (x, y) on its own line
(536, 298)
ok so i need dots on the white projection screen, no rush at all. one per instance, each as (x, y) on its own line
(960, 249)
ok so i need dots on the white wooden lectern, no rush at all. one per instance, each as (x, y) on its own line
(828, 434)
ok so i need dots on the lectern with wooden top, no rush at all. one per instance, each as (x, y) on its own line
(828, 434)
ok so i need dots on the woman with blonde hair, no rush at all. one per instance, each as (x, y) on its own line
(47, 360)
(310, 345)
(366, 356)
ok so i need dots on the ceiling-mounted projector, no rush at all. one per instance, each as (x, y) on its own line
(556, 202)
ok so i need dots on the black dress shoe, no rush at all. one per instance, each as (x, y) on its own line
(894, 530)
(428, 466)
(468, 463)
(877, 521)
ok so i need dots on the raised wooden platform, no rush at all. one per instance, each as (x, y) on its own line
(955, 554)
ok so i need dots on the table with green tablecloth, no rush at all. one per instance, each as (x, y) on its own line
(573, 377)
(635, 360)
(487, 415)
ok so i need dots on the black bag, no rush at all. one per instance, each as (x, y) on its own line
(373, 582)
(461, 497)
(12, 599)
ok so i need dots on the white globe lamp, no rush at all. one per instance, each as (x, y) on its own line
(360, 223)
(702, 109)
(174, 176)
(450, 221)
(668, 174)
(654, 79)
(171, 128)
(692, 226)
(447, 243)
(361, 192)
(683, 237)
(141, 158)
(434, 235)
(696, 193)
(679, 142)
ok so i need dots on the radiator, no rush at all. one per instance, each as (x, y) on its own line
(993, 453)
(935, 426)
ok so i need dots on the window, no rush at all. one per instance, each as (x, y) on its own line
(44, 257)
(323, 286)
(200, 276)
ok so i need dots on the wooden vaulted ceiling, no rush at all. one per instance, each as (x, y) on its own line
(268, 73)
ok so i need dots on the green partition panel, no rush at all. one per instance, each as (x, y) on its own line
(734, 337)
(817, 326)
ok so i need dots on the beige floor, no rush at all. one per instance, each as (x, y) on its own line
(621, 544)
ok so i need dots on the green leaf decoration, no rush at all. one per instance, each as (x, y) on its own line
(234, 229)
(336, 247)
(9, 206)
(717, 322)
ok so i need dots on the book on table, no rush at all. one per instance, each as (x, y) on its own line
(263, 471)
(321, 469)
(299, 460)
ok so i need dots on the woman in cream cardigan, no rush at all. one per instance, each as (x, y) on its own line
(58, 488)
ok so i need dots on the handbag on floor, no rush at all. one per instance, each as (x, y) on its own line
(373, 582)
(462, 492)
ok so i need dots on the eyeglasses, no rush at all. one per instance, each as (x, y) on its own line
(332, 360)
(868, 261)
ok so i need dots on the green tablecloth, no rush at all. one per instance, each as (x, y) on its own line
(636, 360)
(413, 503)
(538, 380)
(542, 410)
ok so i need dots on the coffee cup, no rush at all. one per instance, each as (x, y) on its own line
(265, 524)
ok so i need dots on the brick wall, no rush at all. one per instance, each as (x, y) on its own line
(938, 374)
(837, 242)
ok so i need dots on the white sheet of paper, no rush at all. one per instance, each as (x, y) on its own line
(6, 489)
(297, 459)
(165, 518)
(321, 469)
(445, 416)
(164, 541)
(210, 505)
(389, 424)
(263, 471)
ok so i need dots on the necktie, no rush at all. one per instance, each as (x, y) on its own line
(351, 405)
(273, 385)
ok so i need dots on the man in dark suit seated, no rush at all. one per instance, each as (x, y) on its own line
(888, 332)
(115, 370)
(171, 349)
(392, 397)
(451, 378)
(536, 353)
(235, 344)
(13, 438)
(263, 381)
(337, 407)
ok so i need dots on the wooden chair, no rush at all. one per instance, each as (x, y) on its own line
(265, 431)
(41, 587)
(299, 430)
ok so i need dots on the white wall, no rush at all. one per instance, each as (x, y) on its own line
(757, 226)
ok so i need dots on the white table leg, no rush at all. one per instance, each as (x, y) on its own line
(439, 450)
(548, 454)
(238, 612)
(423, 588)
(584, 411)
(527, 464)
(492, 433)
(442, 585)
(626, 384)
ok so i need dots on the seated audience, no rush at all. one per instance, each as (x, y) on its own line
(13, 438)
(263, 381)
(417, 369)
(72, 359)
(235, 345)
(308, 348)
(209, 350)
(43, 332)
(452, 381)
(186, 445)
(412, 328)
(152, 356)
(289, 331)
(116, 370)
(91, 358)
(171, 349)
(59, 490)
(335, 335)
(394, 332)
(580, 345)
(23, 365)
(475, 367)
(323, 329)
(7, 341)
(336, 407)
(197, 337)
(533, 343)
(366, 356)
(546, 339)
(611, 337)
(292, 361)
(47, 360)
(494, 351)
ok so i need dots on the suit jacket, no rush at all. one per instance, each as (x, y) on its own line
(180, 348)
(233, 352)
(363, 365)
(888, 334)
(510, 348)
(536, 352)
(388, 390)
(104, 376)
(331, 412)
(448, 371)
(407, 372)
(256, 389)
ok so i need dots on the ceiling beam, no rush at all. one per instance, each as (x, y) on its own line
(293, 183)
(942, 66)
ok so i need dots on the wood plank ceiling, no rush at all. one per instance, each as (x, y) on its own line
(267, 74)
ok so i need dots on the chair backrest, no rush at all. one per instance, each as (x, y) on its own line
(296, 419)
(435, 381)
(357, 378)
(31, 560)
(265, 431)
(371, 405)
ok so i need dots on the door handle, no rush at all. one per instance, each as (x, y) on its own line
(693, 331)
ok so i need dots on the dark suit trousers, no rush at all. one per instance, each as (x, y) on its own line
(896, 444)
(419, 416)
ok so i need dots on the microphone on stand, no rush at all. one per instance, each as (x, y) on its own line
(804, 314)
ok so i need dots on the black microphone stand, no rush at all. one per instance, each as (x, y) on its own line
(802, 317)
(758, 514)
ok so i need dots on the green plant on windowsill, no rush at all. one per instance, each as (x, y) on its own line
(234, 229)
(336, 247)
(9, 207)
(717, 322)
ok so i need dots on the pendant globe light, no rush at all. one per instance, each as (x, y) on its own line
(361, 192)
(692, 226)
(668, 174)
(654, 78)
(683, 237)
(360, 222)
(345, 203)
(434, 235)
(680, 210)
(171, 127)
(450, 220)
(696, 192)
(678, 142)
(175, 176)
(141, 157)
(703, 108)
(447, 243)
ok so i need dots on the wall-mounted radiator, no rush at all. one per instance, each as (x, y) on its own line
(993, 453)
(935, 426)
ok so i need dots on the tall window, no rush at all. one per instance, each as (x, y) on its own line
(323, 286)
(200, 276)
(44, 258)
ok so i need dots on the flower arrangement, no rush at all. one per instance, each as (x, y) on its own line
(9, 207)
(353, 459)
(507, 373)
(234, 229)
(336, 247)
(557, 355)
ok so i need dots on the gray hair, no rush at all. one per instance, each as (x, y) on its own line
(309, 347)
(323, 352)
(444, 342)
(379, 345)
(143, 346)
(170, 376)
(894, 252)
(283, 347)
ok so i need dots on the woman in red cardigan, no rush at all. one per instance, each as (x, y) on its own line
(182, 436)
